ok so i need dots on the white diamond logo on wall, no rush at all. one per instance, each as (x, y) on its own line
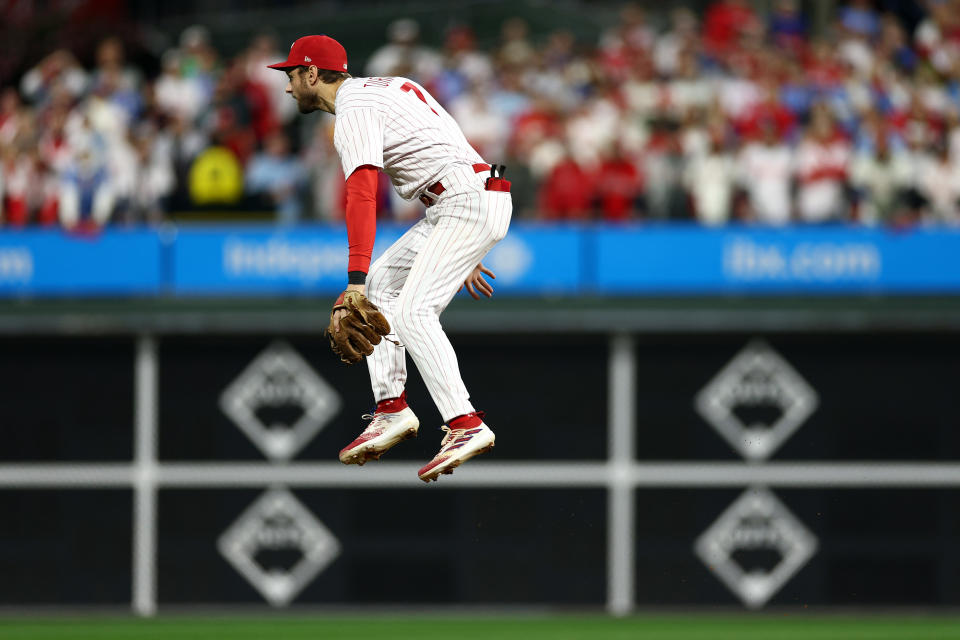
(278, 523)
(280, 379)
(756, 378)
(756, 522)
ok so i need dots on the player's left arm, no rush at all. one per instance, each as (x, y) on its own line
(475, 282)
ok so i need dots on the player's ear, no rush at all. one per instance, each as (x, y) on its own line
(313, 74)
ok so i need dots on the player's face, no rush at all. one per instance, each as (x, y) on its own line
(298, 88)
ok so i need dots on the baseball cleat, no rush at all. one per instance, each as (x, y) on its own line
(384, 431)
(458, 446)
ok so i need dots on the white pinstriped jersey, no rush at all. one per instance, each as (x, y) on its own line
(395, 125)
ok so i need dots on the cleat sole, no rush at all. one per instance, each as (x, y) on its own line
(366, 452)
(447, 469)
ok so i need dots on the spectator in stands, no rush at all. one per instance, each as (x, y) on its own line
(881, 178)
(629, 38)
(59, 70)
(115, 80)
(231, 115)
(568, 191)
(823, 159)
(765, 173)
(796, 93)
(464, 65)
(486, 128)
(515, 51)
(263, 51)
(788, 28)
(619, 186)
(723, 24)
(199, 59)
(663, 166)
(938, 184)
(665, 98)
(278, 176)
(671, 45)
(893, 45)
(86, 194)
(403, 55)
(178, 96)
(710, 180)
(103, 114)
(535, 130)
(935, 36)
(858, 25)
(593, 127)
(10, 107)
(508, 96)
(549, 78)
(325, 174)
(182, 144)
(689, 88)
(860, 17)
(766, 112)
(16, 174)
(153, 178)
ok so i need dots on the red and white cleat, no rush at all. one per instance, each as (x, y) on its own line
(384, 431)
(458, 446)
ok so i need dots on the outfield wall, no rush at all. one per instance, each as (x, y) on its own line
(741, 469)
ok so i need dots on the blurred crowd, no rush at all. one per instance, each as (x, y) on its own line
(725, 116)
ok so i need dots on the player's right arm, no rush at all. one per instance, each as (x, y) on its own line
(361, 219)
(358, 138)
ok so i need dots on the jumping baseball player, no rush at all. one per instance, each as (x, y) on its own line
(393, 125)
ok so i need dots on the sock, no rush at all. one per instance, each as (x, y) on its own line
(467, 421)
(392, 405)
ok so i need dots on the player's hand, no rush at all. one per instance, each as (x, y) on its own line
(340, 313)
(476, 282)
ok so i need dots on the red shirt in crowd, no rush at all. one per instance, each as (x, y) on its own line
(723, 23)
(618, 183)
(567, 193)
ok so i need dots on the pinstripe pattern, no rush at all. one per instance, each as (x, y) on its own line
(415, 142)
(395, 125)
(415, 280)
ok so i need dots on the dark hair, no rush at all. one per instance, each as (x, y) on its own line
(326, 75)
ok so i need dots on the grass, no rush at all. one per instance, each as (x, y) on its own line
(659, 627)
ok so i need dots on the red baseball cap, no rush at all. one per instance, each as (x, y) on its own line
(322, 51)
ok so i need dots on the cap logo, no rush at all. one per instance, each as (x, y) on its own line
(344, 66)
(307, 59)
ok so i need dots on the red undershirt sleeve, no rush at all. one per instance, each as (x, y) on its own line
(361, 219)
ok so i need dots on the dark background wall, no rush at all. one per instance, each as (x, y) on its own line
(883, 396)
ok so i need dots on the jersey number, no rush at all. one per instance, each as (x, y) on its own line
(408, 86)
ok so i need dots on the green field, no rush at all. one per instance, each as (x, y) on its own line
(659, 627)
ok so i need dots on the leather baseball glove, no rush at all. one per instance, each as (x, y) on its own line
(360, 330)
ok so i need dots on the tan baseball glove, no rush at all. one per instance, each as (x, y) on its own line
(360, 330)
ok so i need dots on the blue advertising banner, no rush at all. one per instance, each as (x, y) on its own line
(531, 260)
(306, 260)
(808, 260)
(538, 259)
(258, 260)
(41, 262)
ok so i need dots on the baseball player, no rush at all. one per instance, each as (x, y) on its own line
(394, 125)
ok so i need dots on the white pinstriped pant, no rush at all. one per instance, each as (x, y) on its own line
(417, 277)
